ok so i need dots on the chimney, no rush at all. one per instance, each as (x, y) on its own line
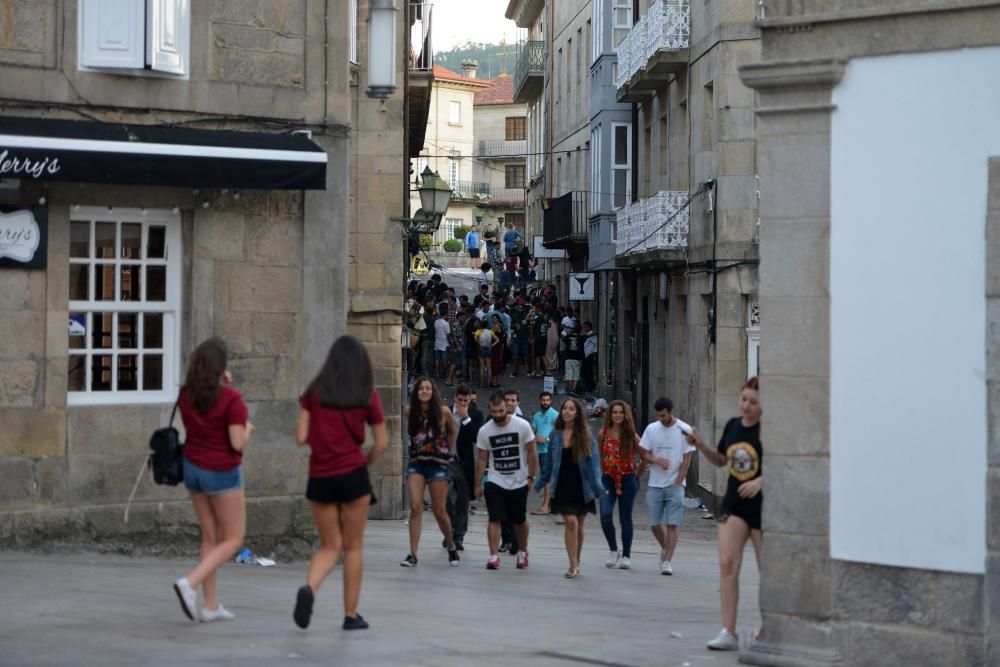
(469, 68)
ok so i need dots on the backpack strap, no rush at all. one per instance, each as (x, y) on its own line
(174, 411)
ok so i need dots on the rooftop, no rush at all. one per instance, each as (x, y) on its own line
(444, 74)
(501, 92)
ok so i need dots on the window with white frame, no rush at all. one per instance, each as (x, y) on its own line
(352, 27)
(154, 35)
(621, 182)
(622, 14)
(597, 20)
(597, 196)
(124, 305)
(455, 112)
(421, 165)
(621, 17)
(453, 173)
(448, 227)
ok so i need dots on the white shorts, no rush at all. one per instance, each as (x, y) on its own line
(572, 370)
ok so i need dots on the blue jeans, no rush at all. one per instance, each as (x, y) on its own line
(630, 489)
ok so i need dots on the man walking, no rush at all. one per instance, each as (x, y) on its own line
(665, 448)
(506, 450)
(542, 423)
(588, 374)
(442, 330)
(574, 358)
(508, 536)
(472, 245)
(462, 470)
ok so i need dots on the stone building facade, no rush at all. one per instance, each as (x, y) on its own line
(683, 196)
(855, 181)
(278, 269)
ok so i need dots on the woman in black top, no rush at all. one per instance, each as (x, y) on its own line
(740, 450)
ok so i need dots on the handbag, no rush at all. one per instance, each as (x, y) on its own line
(166, 459)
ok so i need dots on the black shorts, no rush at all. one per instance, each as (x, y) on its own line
(540, 346)
(474, 253)
(748, 509)
(340, 488)
(503, 505)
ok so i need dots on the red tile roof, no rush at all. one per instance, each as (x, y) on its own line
(501, 92)
(448, 75)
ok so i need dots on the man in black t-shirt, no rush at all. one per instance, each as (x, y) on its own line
(574, 358)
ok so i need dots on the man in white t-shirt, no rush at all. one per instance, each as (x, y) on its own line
(506, 446)
(665, 448)
(441, 330)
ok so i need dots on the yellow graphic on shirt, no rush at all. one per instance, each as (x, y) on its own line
(742, 460)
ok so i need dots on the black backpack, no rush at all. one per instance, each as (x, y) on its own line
(167, 458)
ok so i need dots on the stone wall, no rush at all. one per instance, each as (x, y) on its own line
(818, 610)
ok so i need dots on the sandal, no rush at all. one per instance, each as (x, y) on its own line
(572, 572)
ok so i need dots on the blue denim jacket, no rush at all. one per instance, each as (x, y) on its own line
(590, 469)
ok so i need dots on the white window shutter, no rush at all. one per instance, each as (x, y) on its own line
(168, 23)
(111, 33)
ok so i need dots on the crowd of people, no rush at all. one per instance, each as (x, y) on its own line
(504, 330)
(458, 453)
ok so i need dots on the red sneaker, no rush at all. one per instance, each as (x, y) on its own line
(494, 563)
(522, 560)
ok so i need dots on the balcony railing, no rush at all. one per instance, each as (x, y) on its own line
(657, 223)
(665, 27)
(530, 70)
(487, 194)
(501, 148)
(564, 223)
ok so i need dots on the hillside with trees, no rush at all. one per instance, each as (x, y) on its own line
(492, 58)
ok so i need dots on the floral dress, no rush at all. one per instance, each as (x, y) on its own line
(613, 463)
(429, 446)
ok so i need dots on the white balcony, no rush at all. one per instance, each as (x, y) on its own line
(656, 46)
(655, 224)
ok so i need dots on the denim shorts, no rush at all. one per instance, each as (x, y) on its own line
(665, 505)
(211, 482)
(441, 356)
(432, 472)
(521, 349)
(544, 462)
(572, 370)
(485, 353)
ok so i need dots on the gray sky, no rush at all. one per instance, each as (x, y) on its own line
(456, 21)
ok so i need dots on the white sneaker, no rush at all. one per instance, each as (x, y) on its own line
(187, 597)
(613, 559)
(220, 614)
(726, 641)
(665, 568)
(624, 563)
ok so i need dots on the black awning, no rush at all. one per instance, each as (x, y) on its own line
(35, 149)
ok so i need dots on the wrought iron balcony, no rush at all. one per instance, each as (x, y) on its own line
(657, 45)
(530, 71)
(501, 149)
(659, 223)
(564, 222)
(486, 194)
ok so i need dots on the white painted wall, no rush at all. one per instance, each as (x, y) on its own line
(911, 136)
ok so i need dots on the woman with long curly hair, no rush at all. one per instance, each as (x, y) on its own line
(218, 429)
(620, 473)
(432, 432)
(741, 451)
(575, 473)
(335, 408)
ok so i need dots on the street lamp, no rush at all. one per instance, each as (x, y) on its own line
(382, 49)
(435, 196)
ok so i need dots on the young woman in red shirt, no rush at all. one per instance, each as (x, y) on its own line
(335, 408)
(621, 470)
(217, 428)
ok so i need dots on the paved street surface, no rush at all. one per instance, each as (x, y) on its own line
(107, 610)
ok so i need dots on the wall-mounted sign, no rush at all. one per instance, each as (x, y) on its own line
(541, 252)
(77, 325)
(24, 238)
(581, 287)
